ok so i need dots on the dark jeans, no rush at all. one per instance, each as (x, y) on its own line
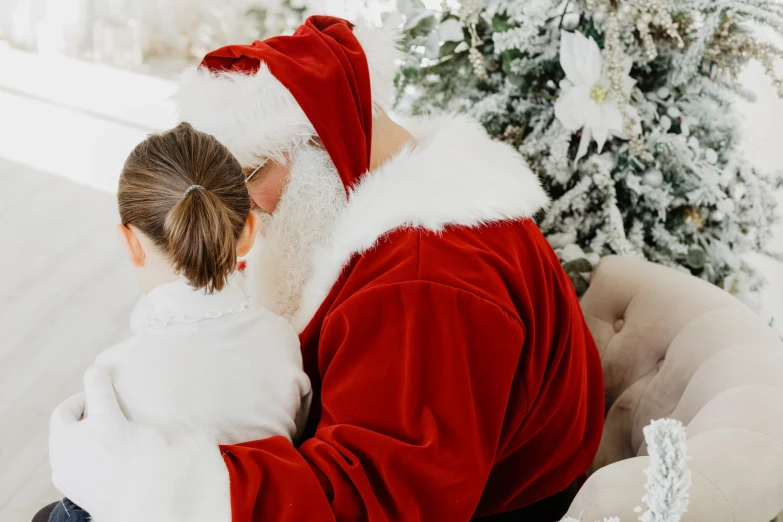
(62, 511)
(550, 509)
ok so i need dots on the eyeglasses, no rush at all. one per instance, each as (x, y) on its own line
(249, 177)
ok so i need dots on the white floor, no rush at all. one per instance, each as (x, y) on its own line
(66, 295)
(66, 290)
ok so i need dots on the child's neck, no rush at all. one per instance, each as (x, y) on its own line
(154, 273)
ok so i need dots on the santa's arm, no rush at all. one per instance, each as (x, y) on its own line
(416, 379)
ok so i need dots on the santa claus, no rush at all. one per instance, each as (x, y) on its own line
(453, 375)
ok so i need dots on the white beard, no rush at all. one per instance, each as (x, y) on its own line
(301, 223)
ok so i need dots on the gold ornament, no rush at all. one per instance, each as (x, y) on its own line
(731, 47)
(466, 9)
(468, 17)
(475, 56)
(616, 73)
(643, 15)
(513, 135)
(693, 217)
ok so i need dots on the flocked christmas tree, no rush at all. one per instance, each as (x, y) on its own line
(624, 108)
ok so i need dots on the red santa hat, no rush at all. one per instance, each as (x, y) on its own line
(264, 99)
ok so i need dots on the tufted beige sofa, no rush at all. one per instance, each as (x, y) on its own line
(675, 346)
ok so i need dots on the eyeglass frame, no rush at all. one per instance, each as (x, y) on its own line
(255, 171)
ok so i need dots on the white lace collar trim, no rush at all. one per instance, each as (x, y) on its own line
(178, 302)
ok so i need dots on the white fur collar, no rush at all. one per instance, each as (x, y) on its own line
(456, 175)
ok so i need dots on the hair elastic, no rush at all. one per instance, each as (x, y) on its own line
(192, 188)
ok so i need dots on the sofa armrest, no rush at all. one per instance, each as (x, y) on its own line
(675, 346)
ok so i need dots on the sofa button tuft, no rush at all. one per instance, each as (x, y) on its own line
(618, 325)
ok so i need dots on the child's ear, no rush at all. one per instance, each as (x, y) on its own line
(248, 236)
(132, 245)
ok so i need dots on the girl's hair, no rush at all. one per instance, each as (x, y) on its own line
(196, 227)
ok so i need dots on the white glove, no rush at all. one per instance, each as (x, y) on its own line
(119, 471)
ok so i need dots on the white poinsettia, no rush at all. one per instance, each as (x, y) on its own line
(584, 101)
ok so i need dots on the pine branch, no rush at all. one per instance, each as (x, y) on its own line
(668, 477)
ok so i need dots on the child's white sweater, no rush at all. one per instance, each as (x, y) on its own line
(210, 364)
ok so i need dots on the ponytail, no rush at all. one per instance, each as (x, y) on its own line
(201, 242)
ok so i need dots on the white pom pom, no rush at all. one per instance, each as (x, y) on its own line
(571, 21)
(571, 252)
(653, 178)
(726, 206)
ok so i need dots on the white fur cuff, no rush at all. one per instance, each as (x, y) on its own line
(186, 482)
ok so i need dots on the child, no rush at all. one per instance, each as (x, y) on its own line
(202, 358)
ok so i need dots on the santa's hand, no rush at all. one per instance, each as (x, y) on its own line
(117, 470)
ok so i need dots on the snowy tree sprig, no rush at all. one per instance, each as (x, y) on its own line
(668, 476)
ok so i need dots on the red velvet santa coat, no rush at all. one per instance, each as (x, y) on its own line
(453, 373)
